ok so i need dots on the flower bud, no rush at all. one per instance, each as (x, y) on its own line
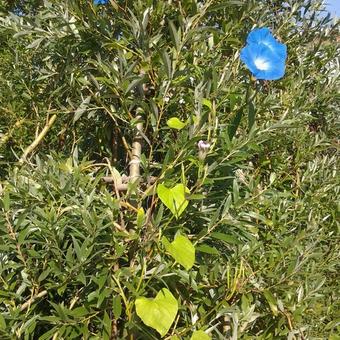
(203, 149)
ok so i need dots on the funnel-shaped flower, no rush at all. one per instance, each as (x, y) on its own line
(264, 56)
(264, 36)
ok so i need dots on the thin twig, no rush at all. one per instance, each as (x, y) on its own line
(39, 138)
(5, 137)
(124, 185)
(32, 299)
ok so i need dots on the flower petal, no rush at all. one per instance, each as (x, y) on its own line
(257, 35)
(100, 2)
(264, 36)
(263, 62)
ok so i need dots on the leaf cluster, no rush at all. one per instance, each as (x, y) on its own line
(239, 240)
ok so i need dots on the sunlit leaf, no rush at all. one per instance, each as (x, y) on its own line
(182, 250)
(175, 123)
(173, 198)
(200, 335)
(158, 313)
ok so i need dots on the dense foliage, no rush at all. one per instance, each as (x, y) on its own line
(239, 240)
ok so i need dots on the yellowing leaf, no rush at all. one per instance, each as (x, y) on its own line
(158, 313)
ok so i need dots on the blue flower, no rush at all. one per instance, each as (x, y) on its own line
(100, 2)
(264, 36)
(264, 56)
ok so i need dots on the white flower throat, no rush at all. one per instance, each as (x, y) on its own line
(262, 64)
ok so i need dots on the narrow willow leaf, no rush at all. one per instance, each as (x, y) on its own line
(226, 238)
(36, 43)
(81, 109)
(140, 217)
(2, 322)
(116, 306)
(204, 248)
(175, 35)
(251, 115)
(6, 201)
(136, 82)
(107, 327)
(234, 124)
(236, 191)
(271, 301)
(167, 63)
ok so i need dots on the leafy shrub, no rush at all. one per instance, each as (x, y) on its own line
(78, 256)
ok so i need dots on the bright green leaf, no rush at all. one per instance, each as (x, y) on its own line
(206, 102)
(200, 335)
(173, 198)
(180, 201)
(158, 313)
(182, 250)
(175, 123)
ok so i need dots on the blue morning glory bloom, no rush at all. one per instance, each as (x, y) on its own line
(264, 36)
(100, 2)
(264, 56)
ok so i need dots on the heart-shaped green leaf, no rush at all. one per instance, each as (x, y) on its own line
(175, 123)
(158, 313)
(200, 335)
(173, 198)
(182, 250)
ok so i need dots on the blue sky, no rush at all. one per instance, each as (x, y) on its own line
(333, 6)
